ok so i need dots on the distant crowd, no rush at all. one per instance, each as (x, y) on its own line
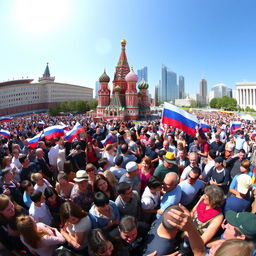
(128, 188)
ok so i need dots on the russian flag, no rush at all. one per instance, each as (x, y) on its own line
(70, 135)
(6, 119)
(5, 133)
(234, 125)
(179, 118)
(108, 140)
(33, 142)
(204, 126)
(53, 132)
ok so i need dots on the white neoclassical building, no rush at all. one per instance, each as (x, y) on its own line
(246, 94)
(22, 96)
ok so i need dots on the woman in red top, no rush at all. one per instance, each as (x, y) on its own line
(145, 172)
(207, 214)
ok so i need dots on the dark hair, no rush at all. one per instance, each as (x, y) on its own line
(119, 160)
(166, 217)
(49, 191)
(110, 188)
(124, 148)
(25, 184)
(127, 224)
(196, 170)
(161, 153)
(63, 252)
(68, 209)
(22, 158)
(242, 151)
(212, 153)
(102, 162)
(133, 136)
(36, 196)
(97, 241)
(100, 199)
(154, 182)
(122, 187)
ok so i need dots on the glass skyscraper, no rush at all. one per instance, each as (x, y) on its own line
(181, 87)
(142, 73)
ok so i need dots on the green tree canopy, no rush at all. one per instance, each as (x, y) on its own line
(225, 102)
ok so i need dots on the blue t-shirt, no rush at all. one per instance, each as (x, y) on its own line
(170, 198)
(236, 204)
(189, 191)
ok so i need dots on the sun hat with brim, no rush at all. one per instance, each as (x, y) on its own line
(81, 175)
(244, 221)
(244, 183)
(169, 158)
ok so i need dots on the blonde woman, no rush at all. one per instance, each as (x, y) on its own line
(39, 238)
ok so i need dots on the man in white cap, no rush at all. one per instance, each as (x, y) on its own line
(241, 201)
(131, 176)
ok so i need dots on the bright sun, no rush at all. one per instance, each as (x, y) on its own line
(40, 16)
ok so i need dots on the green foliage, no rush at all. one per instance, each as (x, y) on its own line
(194, 104)
(73, 106)
(225, 102)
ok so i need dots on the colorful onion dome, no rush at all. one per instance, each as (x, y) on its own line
(131, 76)
(143, 85)
(104, 78)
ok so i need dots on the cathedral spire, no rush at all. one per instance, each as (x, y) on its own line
(46, 75)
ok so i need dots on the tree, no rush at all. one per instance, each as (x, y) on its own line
(213, 103)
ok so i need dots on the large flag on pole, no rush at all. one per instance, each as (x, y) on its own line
(179, 118)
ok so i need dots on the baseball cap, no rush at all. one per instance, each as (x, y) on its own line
(244, 221)
(244, 183)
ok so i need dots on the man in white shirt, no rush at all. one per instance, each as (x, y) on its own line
(38, 210)
(210, 163)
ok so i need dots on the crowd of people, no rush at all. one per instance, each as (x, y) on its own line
(128, 188)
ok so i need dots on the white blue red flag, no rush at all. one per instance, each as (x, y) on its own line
(6, 119)
(108, 140)
(53, 132)
(179, 118)
(33, 142)
(70, 135)
(234, 125)
(5, 133)
(205, 127)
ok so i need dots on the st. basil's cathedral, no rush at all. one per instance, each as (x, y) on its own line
(125, 102)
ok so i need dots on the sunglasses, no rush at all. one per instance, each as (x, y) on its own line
(192, 178)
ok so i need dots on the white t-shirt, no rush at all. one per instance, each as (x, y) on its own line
(185, 172)
(83, 226)
(40, 214)
(42, 188)
(149, 201)
(207, 168)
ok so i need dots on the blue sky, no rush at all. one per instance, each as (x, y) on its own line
(198, 39)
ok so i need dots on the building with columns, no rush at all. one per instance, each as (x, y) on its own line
(24, 96)
(125, 102)
(246, 94)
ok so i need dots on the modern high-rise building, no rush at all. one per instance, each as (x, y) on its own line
(97, 87)
(168, 86)
(142, 74)
(203, 90)
(181, 87)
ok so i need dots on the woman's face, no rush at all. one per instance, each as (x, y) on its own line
(102, 185)
(144, 164)
(40, 182)
(9, 210)
(90, 172)
(63, 182)
(107, 250)
(8, 176)
(206, 200)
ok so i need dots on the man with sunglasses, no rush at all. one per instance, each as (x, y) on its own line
(191, 187)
